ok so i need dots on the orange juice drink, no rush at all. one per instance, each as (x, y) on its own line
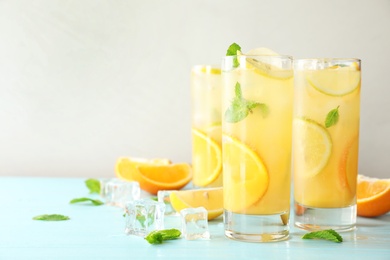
(326, 142)
(206, 87)
(257, 126)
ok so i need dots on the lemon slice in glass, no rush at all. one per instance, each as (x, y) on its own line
(336, 80)
(312, 145)
(243, 186)
(207, 158)
(264, 64)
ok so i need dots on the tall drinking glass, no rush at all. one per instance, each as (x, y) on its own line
(326, 143)
(206, 87)
(257, 125)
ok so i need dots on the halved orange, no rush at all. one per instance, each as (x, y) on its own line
(373, 196)
(209, 198)
(155, 177)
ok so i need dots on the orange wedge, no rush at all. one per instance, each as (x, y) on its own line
(209, 198)
(373, 196)
(155, 177)
(126, 167)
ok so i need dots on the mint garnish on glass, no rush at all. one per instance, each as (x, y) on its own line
(332, 117)
(240, 107)
(232, 51)
(328, 234)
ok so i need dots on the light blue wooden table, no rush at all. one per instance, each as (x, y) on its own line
(98, 232)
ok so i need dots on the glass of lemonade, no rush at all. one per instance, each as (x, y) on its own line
(257, 130)
(206, 88)
(326, 143)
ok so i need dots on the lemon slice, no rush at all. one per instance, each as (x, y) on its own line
(211, 199)
(335, 80)
(263, 66)
(207, 159)
(312, 147)
(245, 176)
(206, 69)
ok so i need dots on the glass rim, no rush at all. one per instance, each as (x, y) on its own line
(324, 60)
(263, 56)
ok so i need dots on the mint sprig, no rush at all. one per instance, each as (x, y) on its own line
(158, 236)
(93, 185)
(240, 108)
(328, 234)
(51, 217)
(332, 117)
(94, 202)
(232, 51)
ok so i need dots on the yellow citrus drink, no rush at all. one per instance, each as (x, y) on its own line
(326, 142)
(257, 126)
(206, 87)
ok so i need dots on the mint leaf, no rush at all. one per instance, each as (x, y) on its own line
(51, 217)
(232, 51)
(240, 107)
(94, 202)
(233, 48)
(93, 185)
(328, 234)
(332, 117)
(158, 236)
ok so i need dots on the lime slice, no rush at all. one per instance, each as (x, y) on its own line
(336, 80)
(312, 147)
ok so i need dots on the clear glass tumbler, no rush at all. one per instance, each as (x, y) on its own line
(326, 142)
(256, 146)
(206, 88)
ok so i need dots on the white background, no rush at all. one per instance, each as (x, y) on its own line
(83, 82)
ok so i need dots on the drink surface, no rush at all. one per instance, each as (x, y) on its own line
(257, 126)
(326, 133)
(206, 126)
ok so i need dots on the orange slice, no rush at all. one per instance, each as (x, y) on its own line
(211, 199)
(373, 196)
(155, 177)
(244, 184)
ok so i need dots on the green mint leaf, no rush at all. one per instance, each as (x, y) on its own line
(141, 219)
(232, 51)
(332, 117)
(94, 202)
(51, 217)
(328, 234)
(240, 107)
(233, 48)
(154, 198)
(158, 236)
(93, 185)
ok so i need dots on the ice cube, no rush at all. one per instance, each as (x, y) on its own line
(118, 193)
(163, 196)
(144, 216)
(194, 223)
